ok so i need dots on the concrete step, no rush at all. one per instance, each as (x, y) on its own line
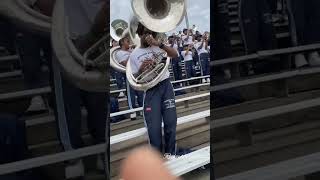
(291, 142)
(188, 136)
(47, 123)
(128, 125)
(123, 103)
(278, 137)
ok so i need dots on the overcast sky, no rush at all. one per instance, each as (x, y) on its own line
(198, 13)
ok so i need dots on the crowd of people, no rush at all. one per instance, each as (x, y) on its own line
(193, 49)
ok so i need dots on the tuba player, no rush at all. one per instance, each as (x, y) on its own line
(159, 101)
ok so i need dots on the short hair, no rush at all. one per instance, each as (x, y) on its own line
(140, 30)
(122, 40)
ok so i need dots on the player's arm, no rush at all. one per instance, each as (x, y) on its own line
(171, 52)
(124, 63)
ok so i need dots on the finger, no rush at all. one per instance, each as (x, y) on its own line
(145, 164)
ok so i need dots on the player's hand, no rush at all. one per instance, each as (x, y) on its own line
(145, 164)
(146, 64)
(133, 46)
(203, 38)
(151, 41)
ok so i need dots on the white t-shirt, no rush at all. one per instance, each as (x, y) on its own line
(140, 54)
(122, 55)
(81, 15)
(202, 50)
(187, 57)
(188, 41)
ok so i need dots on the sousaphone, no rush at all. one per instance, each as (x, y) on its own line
(118, 30)
(75, 65)
(22, 15)
(159, 16)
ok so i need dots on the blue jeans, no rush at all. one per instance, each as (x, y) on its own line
(189, 67)
(256, 25)
(304, 30)
(29, 47)
(132, 97)
(205, 66)
(96, 104)
(121, 80)
(159, 105)
(176, 68)
(7, 31)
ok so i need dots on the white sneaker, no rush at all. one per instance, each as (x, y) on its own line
(133, 116)
(74, 170)
(121, 94)
(204, 81)
(300, 60)
(208, 80)
(37, 104)
(314, 59)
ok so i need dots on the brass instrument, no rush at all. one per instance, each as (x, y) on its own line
(158, 16)
(22, 15)
(87, 71)
(118, 29)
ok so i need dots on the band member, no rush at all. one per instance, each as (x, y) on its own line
(305, 31)
(29, 47)
(175, 62)
(114, 43)
(123, 56)
(187, 55)
(203, 53)
(87, 22)
(159, 101)
(119, 76)
(187, 37)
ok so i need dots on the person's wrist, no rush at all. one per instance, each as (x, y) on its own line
(161, 45)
